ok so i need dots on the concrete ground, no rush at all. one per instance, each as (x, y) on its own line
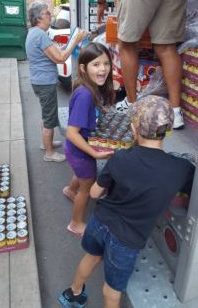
(58, 252)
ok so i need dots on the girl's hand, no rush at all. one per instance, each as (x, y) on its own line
(103, 155)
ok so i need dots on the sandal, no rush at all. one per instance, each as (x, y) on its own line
(71, 229)
(68, 193)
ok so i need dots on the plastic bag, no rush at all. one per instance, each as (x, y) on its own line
(191, 33)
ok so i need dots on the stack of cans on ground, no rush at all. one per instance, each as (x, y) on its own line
(4, 180)
(113, 132)
(13, 215)
(190, 86)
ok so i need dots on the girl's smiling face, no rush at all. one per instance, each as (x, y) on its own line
(98, 69)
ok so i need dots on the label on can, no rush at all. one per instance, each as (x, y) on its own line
(11, 238)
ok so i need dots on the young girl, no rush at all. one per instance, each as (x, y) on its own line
(92, 90)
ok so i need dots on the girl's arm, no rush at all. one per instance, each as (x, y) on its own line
(75, 137)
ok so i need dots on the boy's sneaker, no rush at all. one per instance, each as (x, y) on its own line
(69, 300)
(123, 106)
(178, 118)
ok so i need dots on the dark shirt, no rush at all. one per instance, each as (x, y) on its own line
(141, 183)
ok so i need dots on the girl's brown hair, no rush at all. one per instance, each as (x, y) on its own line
(105, 92)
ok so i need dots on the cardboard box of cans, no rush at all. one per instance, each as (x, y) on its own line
(190, 86)
(4, 180)
(113, 132)
(13, 224)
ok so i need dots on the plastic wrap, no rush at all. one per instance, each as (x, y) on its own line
(191, 33)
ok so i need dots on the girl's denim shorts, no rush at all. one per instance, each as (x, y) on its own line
(118, 259)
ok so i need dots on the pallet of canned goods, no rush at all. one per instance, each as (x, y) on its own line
(13, 224)
(113, 132)
(4, 180)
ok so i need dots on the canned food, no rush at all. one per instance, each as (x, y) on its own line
(11, 213)
(11, 238)
(22, 225)
(5, 179)
(5, 166)
(11, 227)
(2, 200)
(20, 205)
(5, 169)
(2, 228)
(5, 174)
(20, 198)
(2, 184)
(11, 219)
(11, 200)
(2, 221)
(2, 214)
(11, 206)
(4, 191)
(22, 236)
(2, 240)
(2, 207)
(21, 211)
(21, 218)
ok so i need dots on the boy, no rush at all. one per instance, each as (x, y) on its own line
(140, 183)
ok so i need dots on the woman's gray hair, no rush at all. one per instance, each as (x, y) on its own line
(35, 12)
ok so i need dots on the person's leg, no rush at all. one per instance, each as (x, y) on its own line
(71, 190)
(129, 64)
(111, 297)
(172, 70)
(80, 202)
(83, 272)
(48, 135)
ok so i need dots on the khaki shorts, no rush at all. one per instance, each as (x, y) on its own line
(164, 18)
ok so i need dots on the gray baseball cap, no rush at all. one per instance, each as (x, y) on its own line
(153, 116)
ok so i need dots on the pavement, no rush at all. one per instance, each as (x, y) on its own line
(19, 284)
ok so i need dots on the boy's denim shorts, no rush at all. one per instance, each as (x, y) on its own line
(118, 259)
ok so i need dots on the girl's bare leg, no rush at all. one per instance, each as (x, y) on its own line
(80, 203)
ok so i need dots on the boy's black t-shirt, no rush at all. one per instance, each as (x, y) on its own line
(141, 183)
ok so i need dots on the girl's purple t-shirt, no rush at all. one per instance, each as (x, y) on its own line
(82, 114)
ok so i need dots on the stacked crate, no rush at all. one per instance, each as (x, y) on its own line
(190, 86)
